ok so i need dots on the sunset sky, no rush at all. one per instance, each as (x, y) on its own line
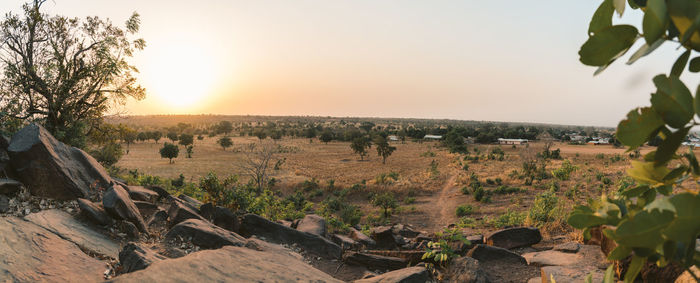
(471, 60)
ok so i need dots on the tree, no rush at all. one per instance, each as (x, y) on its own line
(360, 146)
(261, 134)
(156, 135)
(367, 126)
(224, 127)
(128, 135)
(170, 151)
(189, 149)
(655, 220)
(386, 201)
(383, 148)
(108, 154)
(65, 72)
(186, 140)
(172, 136)
(276, 135)
(225, 142)
(142, 136)
(257, 162)
(326, 136)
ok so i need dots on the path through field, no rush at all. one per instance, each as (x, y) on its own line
(443, 205)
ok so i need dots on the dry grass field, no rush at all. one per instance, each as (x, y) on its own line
(427, 201)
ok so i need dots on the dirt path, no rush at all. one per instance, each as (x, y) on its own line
(443, 205)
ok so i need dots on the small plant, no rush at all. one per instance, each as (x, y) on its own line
(409, 200)
(385, 201)
(543, 209)
(505, 190)
(464, 210)
(465, 190)
(433, 169)
(564, 172)
(466, 222)
(440, 250)
(508, 219)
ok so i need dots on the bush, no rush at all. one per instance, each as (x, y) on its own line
(385, 201)
(108, 155)
(564, 172)
(464, 210)
(505, 190)
(409, 200)
(508, 219)
(543, 209)
(309, 185)
(465, 190)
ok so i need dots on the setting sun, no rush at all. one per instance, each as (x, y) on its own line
(181, 75)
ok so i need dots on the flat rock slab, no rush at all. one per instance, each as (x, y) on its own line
(204, 234)
(570, 247)
(229, 264)
(414, 274)
(29, 253)
(69, 228)
(514, 237)
(565, 274)
(587, 256)
(375, 262)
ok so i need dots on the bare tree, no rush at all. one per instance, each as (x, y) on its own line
(256, 162)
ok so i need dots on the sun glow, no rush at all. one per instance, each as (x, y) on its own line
(181, 75)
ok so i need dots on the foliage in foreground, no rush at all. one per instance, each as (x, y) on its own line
(650, 222)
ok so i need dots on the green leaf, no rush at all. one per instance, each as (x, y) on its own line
(676, 173)
(654, 21)
(620, 6)
(693, 161)
(634, 268)
(687, 34)
(694, 65)
(640, 124)
(580, 221)
(609, 275)
(680, 63)
(673, 101)
(645, 50)
(608, 44)
(636, 191)
(619, 253)
(686, 227)
(667, 149)
(602, 18)
(643, 230)
(647, 172)
(696, 103)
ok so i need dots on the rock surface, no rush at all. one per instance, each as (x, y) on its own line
(204, 234)
(570, 274)
(142, 194)
(374, 262)
(117, 203)
(252, 224)
(586, 256)
(220, 216)
(484, 253)
(514, 237)
(414, 274)
(49, 168)
(314, 224)
(29, 253)
(466, 270)
(384, 237)
(180, 211)
(134, 257)
(229, 264)
(67, 227)
(362, 238)
(95, 212)
(9, 186)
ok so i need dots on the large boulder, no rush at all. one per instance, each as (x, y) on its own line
(345, 242)
(180, 211)
(484, 253)
(49, 168)
(71, 229)
(29, 253)
(467, 270)
(95, 212)
(501, 265)
(204, 234)
(229, 264)
(374, 262)
(142, 194)
(117, 203)
(514, 237)
(416, 274)
(190, 200)
(9, 186)
(220, 216)
(384, 237)
(314, 224)
(405, 230)
(252, 224)
(134, 257)
(361, 238)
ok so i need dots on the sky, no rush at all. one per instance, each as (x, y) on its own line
(469, 60)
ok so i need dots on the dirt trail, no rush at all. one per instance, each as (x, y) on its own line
(444, 204)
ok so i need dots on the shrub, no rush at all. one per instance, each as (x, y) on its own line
(543, 208)
(465, 190)
(508, 219)
(409, 200)
(108, 154)
(466, 222)
(504, 190)
(464, 210)
(564, 172)
(309, 185)
(385, 201)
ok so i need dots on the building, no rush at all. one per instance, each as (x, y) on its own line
(392, 138)
(512, 141)
(599, 141)
(432, 137)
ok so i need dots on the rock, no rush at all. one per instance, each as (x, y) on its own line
(180, 211)
(405, 230)
(570, 247)
(570, 274)
(134, 257)
(204, 234)
(587, 255)
(475, 239)
(30, 253)
(159, 219)
(220, 216)
(374, 262)
(146, 209)
(129, 229)
(49, 168)
(229, 264)
(4, 157)
(314, 224)
(484, 253)
(68, 228)
(190, 200)
(259, 245)
(686, 277)
(345, 242)
(141, 193)
(162, 193)
(94, 212)
(255, 225)
(414, 274)
(362, 238)
(597, 238)
(117, 203)
(514, 237)
(4, 204)
(9, 186)
(384, 237)
(466, 270)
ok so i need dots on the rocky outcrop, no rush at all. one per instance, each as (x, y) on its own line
(67, 227)
(142, 194)
(414, 274)
(514, 237)
(30, 253)
(190, 200)
(117, 203)
(94, 212)
(384, 237)
(134, 257)
(220, 216)
(203, 234)
(466, 270)
(49, 168)
(345, 242)
(374, 262)
(314, 224)
(252, 224)
(484, 253)
(570, 274)
(501, 265)
(362, 238)
(229, 264)
(180, 211)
